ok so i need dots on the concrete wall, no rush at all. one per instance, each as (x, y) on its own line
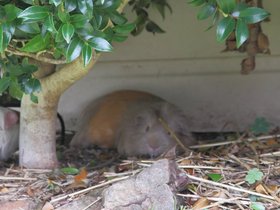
(185, 66)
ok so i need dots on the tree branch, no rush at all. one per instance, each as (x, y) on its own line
(35, 56)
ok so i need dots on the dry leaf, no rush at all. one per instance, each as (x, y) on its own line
(271, 142)
(267, 190)
(185, 162)
(4, 190)
(199, 204)
(30, 191)
(81, 177)
(48, 206)
(261, 189)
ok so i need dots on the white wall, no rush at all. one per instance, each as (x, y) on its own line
(185, 66)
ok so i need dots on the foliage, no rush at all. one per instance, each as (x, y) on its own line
(59, 31)
(69, 170)
(215, 177)
(257, 206)
(254, 175)
(260, 126)
(230, 16)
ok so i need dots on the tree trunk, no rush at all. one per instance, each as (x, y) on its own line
(37, 132)
(37, 145)
(37, 142)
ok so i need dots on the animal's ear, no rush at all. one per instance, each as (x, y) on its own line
(10, 119)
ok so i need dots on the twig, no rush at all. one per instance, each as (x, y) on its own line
(271, 154)
(245, 165)
(110, 174)
(234, 142)
(230, 187)
(94, 202)
(173, 135)
(89, 189)
(8, 170)
(35, 57)
(17, 178)
(244, 201)
(207, 167)
(230, 200)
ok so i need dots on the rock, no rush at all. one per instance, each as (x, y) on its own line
(18, 205)
(154, 188)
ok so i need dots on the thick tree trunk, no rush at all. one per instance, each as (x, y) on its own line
(37, 133)
(37, 121)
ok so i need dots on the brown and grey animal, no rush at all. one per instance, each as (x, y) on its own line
(129, 121)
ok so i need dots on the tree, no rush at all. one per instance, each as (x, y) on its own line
(47, 45)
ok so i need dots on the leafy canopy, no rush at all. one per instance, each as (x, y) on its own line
(59, 31)
(230, 16)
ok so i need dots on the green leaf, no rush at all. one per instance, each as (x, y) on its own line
(227, 6)
(12, 12)
(70, 170)
(257, 206)
(74, 49)
(215, 177)
(124, 29)
(49, 24)
(85, 6)
(15, 70)
(112, 4)
(68, 32)
(254, 175)
(117, 18)
(87, 54)
(34, 13)
(260, 126)
(241, 32)
(206, 11)
(224, 28)
(34, 98)
(15, 90)
(36, 44)
(4, 84)
(28, 1)
(100, 44)
(252, 14)
(70, 5)
(86, 32)
(119, 38)
(197, 2)
(31, 28)
(154, 28)
(55, 2)
(79, 20)
(1, 39)
(161, 8)
(32, 85)
(62, 15)
(59, 36)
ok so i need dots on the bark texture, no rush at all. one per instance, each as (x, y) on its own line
(37, 127)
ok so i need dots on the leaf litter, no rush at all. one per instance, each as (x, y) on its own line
(232, 174)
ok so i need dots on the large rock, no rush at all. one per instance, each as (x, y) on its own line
(154, 188)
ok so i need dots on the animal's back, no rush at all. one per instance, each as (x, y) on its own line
(102, 117)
